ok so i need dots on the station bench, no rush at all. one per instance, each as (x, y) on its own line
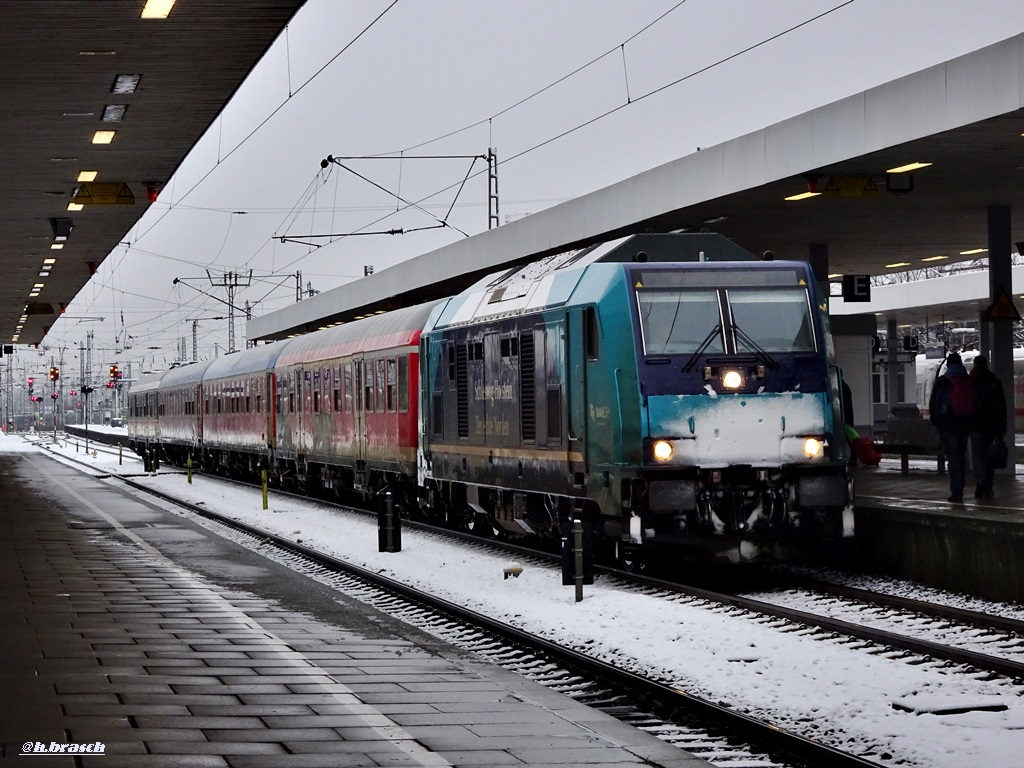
(912, 437)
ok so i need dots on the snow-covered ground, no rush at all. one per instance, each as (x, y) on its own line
(820, 688)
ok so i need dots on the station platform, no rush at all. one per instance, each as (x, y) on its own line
(140, 639)
(906, 528)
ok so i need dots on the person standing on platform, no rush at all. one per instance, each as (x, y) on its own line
(989, 423)
(951, 409)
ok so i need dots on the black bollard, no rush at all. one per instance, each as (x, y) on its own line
(389, 527)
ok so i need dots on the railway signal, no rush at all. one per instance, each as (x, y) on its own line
(114, 372)
(54, 373)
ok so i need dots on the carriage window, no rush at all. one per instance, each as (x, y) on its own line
(248, 404)
(347, 395)
(259, 403)
(291, 402)
(380, 386)
(392, 384)
(776, 320)
(403, 384)
(316, 401)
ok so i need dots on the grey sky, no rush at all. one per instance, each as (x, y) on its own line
(426, 68)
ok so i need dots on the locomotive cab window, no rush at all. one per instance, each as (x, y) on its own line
(776, 320)
(679, 322)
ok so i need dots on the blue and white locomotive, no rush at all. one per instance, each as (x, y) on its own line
(670, 390)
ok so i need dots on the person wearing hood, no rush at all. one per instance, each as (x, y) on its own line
(951, 408)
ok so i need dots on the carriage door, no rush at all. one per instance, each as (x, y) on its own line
(295, 399)
(270, 401)
(361, 373)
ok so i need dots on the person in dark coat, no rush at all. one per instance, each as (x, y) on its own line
(954, 431)
(989, 423)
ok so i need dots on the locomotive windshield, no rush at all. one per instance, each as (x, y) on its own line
(681, 321)
(775, 320)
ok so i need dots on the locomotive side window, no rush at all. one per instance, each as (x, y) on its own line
(777, 320)
(590, 332)
(676, 322)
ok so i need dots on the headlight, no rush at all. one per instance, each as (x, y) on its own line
(732, 379)
(663, 450)
(813, 447)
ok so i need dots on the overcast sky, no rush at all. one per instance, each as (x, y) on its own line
(376, 77)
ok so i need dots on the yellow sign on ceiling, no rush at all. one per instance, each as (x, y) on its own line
(104, 193)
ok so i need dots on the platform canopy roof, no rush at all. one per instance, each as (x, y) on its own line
(964, 118)
(74, 67)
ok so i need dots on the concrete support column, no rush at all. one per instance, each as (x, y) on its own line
(892, 363)
(817, 255)
(984, 335)
(1000, 280)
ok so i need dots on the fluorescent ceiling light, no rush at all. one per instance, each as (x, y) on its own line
(88, 175)
(908, 167)
(33, 294)
(44, 274)
(97, 53)
(157, 9)
(973, 251)
(49, 261)
(125, 83)
(898, 264)
(56, 246)
(75, 206)
(935, 258)
(803, 196)
(39, 285)
(834, 274)
(103, 137)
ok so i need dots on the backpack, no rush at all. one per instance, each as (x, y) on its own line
(961, 398)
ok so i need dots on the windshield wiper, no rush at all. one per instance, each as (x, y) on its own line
(765, 358)
(717, 330)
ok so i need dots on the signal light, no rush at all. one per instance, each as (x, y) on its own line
(110, 384)
(114, 372)
(53, 395)
(31, 381)
(54, 373)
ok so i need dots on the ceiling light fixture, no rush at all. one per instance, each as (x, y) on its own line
(898, 264)
(103, 137)
(803, 196)
(935, 258)
(973, 251)
(157, 9)
(56, 246)
(75, 206)
(125, 83)
(88, 175)
(908, 167)
(49, 261)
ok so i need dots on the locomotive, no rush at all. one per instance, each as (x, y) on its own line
(671, 391)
